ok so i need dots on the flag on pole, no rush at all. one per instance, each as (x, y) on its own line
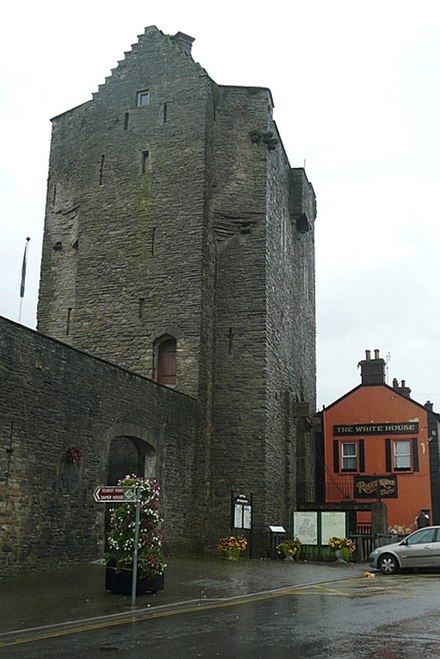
(23, 268)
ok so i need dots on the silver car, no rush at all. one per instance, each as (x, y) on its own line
(419, 549)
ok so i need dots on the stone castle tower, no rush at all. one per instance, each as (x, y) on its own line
(179, 244)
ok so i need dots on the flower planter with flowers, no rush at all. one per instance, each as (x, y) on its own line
(289, 549)
(232, 546)
(150, 560)
(342, 548)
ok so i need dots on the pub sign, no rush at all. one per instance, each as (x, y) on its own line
(375, 487)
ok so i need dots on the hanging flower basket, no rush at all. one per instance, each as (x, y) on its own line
(73, 455)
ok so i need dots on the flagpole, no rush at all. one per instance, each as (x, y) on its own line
(23, 278)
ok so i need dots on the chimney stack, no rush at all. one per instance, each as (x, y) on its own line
(372, 370)
(402, 388)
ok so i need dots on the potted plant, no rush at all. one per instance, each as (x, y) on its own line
(289, 548)
(119, 558)
(232, 546)
(343, 548)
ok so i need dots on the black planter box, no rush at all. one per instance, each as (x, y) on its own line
(121, 582)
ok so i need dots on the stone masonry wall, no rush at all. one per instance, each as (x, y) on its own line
(291, 362)
(128, 182)
(182, 217)
(239, 202)
(52, 398)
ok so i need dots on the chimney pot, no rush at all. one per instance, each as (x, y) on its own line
(376, 354)
(368, 354)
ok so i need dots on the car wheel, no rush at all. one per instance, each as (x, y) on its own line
(388, 564)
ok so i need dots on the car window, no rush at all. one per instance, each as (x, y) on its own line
(426, 535)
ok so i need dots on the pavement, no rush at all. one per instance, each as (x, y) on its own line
(77, 594)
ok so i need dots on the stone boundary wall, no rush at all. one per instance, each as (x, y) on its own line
(54, 398)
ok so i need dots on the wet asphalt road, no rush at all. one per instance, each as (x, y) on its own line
(387, 617)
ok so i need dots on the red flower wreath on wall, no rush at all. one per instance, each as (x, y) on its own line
(73, 455)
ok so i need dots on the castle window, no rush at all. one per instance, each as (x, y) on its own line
(126, 120)
(101, 170)
(145, 161)
(164, 112)
(230, 340)
(68, 321)
(166, 366)
(143, 98)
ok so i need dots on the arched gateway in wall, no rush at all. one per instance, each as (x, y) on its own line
(131, 450)
(130, 455)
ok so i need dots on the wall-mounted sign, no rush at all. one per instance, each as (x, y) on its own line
(375, 487)
(333, 524)
(241, 511)
(306, 527)
(403, 428)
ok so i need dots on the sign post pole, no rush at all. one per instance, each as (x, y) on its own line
(123, 494)
(136, 542)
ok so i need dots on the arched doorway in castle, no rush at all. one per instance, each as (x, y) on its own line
(128, 455)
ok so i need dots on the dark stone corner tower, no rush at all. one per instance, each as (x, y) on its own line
(179, 244)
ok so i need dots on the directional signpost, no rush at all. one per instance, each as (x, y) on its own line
(113, 493)
(129, 494)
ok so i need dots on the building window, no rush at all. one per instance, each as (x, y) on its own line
(143, 98)
(166, 363)
(101, 170)
(69, 320)
(402, 455)
(349, 456)
(145, 161)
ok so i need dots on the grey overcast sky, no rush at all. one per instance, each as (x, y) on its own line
(356, 88)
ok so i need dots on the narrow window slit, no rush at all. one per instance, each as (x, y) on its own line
(145, 161)
(153, 239)
(230, 337)
(126, 120)
(69, 317)
(101, 170)
(164, 112)
(141, 307)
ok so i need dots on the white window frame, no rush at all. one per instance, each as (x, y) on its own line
(402, 461)
(349, 459)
